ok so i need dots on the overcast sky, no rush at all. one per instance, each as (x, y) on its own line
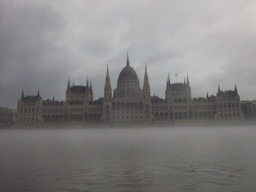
(42, 43)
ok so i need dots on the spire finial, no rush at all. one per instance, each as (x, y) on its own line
(127, 61)
(107, 71)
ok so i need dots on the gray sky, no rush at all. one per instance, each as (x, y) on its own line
(42, 43)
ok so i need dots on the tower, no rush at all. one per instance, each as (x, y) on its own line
(146, 97)
(107, 101)
(146, 87)
(107, 88)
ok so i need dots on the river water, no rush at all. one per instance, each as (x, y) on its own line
(129, 159)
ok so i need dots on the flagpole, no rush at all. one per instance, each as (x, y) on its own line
(176, 78)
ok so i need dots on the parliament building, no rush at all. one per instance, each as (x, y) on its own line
(128, 103)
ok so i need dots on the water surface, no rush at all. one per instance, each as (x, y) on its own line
(129, 159)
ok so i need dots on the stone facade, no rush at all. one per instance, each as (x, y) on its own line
(29, 109)
(249, 109)
(128, 102)
(6, 116)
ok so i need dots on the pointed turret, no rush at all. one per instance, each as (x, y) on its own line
(87, 82)
(146, 87)
(90, 85)
(68, 85)
(218, 88)
(22, 94)
(38, 94)
(207, 95)
(107, 88)
(236, 89)
(127, 61)
(187, 80)
(168, 81)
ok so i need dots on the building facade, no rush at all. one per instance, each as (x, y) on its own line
(6, 116)
(249, 109)
(129, 102)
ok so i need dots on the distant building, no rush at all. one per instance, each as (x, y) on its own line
(249, 109)
(128, 102)
(29, 109)
(6, 116)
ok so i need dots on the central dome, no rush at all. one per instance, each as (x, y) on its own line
(128, 85)
(128, 73)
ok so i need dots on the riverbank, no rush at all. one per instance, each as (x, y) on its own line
(191, 123)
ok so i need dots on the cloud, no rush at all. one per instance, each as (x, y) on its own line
(45, 42)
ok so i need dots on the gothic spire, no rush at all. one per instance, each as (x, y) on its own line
(107, 75)
(219, 88)
(38, 94)
(146, 87)
(187, 80)
(127, 61)
(107, 88)
(87, 82)
(207, 95)
(22, 94)
(169, 80)
(90, 85)
(235, 89)
(68, 86)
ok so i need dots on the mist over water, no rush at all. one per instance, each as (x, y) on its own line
(129, 159)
